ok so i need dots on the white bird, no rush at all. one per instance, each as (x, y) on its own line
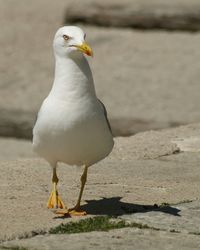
(72, 125)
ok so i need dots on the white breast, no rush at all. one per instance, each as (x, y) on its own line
(71, 125)
(69, 135)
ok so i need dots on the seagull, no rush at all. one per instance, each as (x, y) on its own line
(72, 125)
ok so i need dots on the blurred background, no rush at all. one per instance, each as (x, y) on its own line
(146, 63)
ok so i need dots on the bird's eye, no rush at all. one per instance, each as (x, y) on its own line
(66, 37)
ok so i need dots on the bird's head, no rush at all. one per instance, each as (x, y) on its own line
(69, 40)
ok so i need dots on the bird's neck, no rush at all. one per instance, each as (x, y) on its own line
(73, 78)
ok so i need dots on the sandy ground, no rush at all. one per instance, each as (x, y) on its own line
(143, 170)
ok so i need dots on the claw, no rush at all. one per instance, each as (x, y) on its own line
(77, 212)
(55, 201)
(63, 212)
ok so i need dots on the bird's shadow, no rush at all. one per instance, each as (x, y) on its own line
(115, 207)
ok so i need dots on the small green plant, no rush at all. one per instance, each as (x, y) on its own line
(164, 204)
(100, 223)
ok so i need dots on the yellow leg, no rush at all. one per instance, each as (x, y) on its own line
(54, 199)
(77, 210)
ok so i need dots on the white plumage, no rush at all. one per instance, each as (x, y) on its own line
(72, 126)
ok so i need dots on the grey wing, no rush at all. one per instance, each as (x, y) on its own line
(105, 114)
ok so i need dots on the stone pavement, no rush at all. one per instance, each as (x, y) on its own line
(128, 239)
(12, 149)
(147, 80)
(151, 178)
(144, 78)
(138, 14)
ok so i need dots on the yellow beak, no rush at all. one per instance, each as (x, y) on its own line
(85, 48)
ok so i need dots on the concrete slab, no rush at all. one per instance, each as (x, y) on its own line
(138, 14)
(185, 219)
(128, 238)
(134, 178)
(147, 80)
(14, 149)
